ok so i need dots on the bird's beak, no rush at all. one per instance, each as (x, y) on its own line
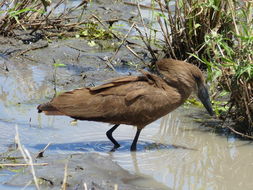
(203, 95)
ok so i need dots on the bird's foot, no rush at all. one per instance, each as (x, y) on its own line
(115, 148)
(133, 148)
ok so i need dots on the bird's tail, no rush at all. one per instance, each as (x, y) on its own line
(48, 109)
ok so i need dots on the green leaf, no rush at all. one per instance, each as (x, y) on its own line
(197, 25)
(59, 65)
(92, 43)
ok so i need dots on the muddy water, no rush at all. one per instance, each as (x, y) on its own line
(175, 151)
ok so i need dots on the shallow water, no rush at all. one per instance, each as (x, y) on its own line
(175, 150)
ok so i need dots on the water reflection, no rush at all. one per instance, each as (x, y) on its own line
(218, 163)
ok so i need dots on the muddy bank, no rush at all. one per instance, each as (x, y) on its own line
(94, 170)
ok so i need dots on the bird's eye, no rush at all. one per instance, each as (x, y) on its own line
(197, 78)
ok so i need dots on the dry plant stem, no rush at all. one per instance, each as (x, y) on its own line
(238, 133)
(40, 154)
(27, 184)
(114, 35)
(2, 3)
(106, 28)
(231, 6)
(64, 183)
(81, 15)
(47, 16)
(122, 43)
(78, 49)
(136, 55)
(147, 45)
(133, 25)
(16, 165)
(246, 99)
(125, 40)
(32, 168)
(17, 141)
(142, 6)
(107, 63)
(85, 186)
(142, 21)
(27, 157)
(232, 129)
(52, 10)
(165, 34)
(33, 48)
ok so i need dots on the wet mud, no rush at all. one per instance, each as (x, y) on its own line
(90, 169)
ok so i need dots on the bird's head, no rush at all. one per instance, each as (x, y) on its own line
(202, 91)
(186, 77)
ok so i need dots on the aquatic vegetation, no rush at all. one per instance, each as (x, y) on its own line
(94, 31)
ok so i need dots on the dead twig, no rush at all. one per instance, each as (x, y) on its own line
(238, 133)
(136, 55)
(109, 31)
(17, 165)
(27, 157)
(165, 35)
(122, 43)
(142, 6)
(85, 186)
(75, 48)
(64, 182)
(147, 44)
(33, 48)
(108, 63)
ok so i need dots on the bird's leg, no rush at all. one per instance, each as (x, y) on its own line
(109, 136)
(133, 146)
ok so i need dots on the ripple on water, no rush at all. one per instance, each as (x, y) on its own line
(104, 146)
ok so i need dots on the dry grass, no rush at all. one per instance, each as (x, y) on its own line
(33, 15)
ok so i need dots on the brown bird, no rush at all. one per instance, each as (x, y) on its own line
(133, 100)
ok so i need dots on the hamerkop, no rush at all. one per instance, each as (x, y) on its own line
(133, 100)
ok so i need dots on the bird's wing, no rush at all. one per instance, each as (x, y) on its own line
(121, 81)
(86, 101)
